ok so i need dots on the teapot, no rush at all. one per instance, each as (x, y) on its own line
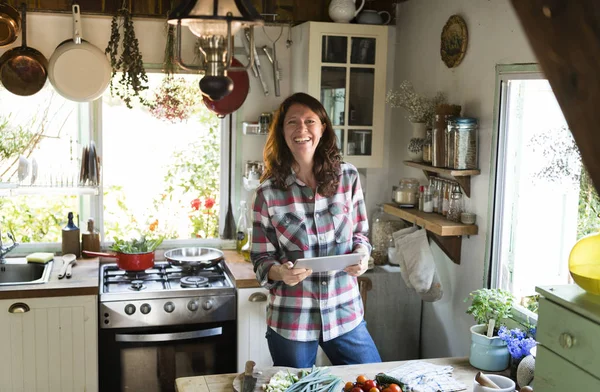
(343, 11)
(373, 17)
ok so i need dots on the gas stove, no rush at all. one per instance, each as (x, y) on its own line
(164, 295)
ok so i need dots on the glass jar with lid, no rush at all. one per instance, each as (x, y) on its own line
(455, 207)
(462, 153)
(382, 227)
(406, 194)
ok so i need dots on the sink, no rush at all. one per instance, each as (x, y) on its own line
(18, 271)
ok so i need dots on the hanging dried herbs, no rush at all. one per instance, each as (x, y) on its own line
(134, 79)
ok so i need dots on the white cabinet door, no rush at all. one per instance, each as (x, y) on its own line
(251, 328)
(344, 65)
(49, 344)
(252, 325)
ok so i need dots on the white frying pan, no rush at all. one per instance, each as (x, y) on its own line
(78, 70)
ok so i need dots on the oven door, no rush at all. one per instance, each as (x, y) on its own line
(150, 359)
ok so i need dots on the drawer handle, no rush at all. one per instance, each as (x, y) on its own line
(566, 340)
(257, 297)
(19, 307)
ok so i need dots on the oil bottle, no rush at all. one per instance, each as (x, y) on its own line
(242, 227)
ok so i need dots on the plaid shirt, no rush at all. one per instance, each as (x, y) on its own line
(295, 223)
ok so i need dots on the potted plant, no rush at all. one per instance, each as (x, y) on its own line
(489, 307)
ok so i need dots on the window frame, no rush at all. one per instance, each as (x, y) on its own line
(93, 206)
(504, 73)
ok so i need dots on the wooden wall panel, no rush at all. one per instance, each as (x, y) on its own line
(565, 37)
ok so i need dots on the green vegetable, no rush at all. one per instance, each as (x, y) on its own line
(135, 246)
(319, 380)
(384, 379)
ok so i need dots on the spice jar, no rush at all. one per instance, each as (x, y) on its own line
(406, 194)
(383, 225)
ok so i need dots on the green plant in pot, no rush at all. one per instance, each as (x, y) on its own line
(489, 307)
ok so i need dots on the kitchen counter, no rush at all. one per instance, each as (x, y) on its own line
(241, 270)
(463, 371)
(83, 282)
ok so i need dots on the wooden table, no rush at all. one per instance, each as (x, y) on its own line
(463, 371)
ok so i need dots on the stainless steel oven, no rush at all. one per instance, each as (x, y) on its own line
(154, 328)
(150, 359)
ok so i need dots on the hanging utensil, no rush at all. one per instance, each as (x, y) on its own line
(78, 70)
(23, 70)
(229, 227)
(257, 64)
(10, 24)
(276, 70)
(274, 62)
(231, 102)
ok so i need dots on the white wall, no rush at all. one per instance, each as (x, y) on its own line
(495, 37)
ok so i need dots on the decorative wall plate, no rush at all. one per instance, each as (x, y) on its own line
(454, 41)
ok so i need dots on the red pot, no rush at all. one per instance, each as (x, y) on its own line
(231, 102)
(127, 261)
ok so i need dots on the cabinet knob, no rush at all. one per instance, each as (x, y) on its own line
(19, 307)
(566, 340)
(257, 297)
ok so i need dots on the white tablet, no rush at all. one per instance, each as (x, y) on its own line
(329, 263)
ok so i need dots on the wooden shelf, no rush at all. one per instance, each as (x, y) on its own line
(463, 177)
(445, 233)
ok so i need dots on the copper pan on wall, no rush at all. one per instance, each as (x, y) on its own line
(23, 70)
(10, 24)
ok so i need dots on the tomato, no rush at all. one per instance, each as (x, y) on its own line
(370, 384)
(356, 389)
(349, 385)
(386, 389)
(374, 389)
(394, 388)
(361, 379)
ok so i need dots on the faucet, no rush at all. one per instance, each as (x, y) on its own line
(5, 249)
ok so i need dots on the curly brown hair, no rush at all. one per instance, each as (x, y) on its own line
(279, 159)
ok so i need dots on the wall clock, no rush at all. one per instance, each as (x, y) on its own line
(454, 41)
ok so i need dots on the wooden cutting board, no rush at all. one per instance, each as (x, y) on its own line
(262, 377)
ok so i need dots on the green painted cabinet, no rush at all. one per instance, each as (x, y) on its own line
(569, 335)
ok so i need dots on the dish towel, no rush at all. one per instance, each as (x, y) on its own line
(420, 376)
(417, 266)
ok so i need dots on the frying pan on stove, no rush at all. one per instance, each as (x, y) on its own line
(194, 257)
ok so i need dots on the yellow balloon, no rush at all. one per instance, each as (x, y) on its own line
(584, 263)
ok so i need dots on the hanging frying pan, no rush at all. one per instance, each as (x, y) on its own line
(23, 70)
(78, 70)
(10, 24)
(231, 102)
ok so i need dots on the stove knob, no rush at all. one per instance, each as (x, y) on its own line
(207, 305)
(130, 309)
(169, 307)
(192, 306)
(145, 308)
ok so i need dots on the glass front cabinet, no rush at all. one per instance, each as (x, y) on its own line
(344, 66)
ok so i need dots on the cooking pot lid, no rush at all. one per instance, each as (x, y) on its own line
(194, 255)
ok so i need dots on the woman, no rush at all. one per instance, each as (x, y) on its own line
(310, 204)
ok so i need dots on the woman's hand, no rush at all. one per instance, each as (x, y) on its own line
(288, 274)
(360, 268)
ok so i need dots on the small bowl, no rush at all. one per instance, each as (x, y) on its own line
(468, 218)
(505, 384)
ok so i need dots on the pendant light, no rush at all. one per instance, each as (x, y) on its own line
(215, 22)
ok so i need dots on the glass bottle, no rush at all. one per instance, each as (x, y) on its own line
(248, 245)
(242, 227)
(427, 200)
(435, 196)
(446, 200)
(455, 207)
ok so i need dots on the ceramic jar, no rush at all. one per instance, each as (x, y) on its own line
(373, 17)
(343, 11)
(490, 354)
(415, 146)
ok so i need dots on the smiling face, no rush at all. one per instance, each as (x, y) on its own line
(302, 130)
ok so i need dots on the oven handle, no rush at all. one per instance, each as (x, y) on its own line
(168, 337)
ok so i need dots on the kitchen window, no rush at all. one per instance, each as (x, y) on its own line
(543, 200)
(158, 175)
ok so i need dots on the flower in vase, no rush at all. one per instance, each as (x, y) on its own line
(519, 342)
